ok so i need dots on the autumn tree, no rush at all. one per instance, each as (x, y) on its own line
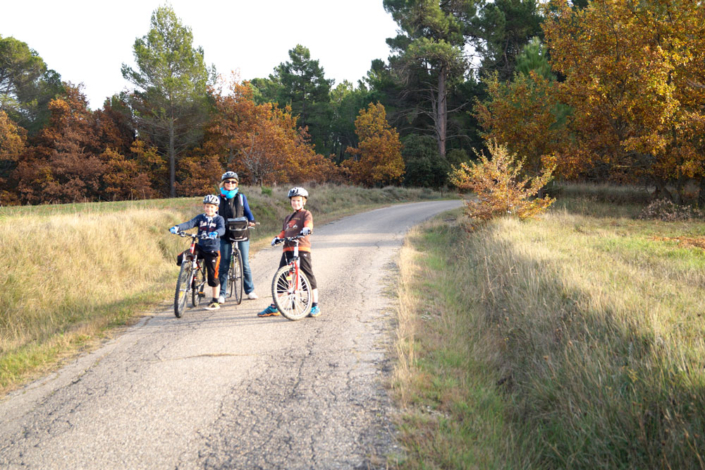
(116, 127)
(125, 178)
(170, 102)
(63, 164)
(634, 79)
(12, 145)
(346, 102)
(500, 186)
(524, 114)
(262, 141)
(377, 159)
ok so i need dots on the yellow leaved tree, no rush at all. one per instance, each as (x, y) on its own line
(377, 158)
(500, 187)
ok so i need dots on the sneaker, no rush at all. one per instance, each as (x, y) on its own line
(221, 299)
(214, 305)
(315, 311)
(252, 296)
(269, 312)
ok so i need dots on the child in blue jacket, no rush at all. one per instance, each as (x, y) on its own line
(210, 228)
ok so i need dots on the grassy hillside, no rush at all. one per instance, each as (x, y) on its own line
(574, 341)
(71, 272)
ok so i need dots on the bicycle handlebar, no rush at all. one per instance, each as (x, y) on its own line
(192, 235)
(291, 239)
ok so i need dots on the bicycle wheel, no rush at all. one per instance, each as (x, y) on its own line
(198, 291)
(235, 276)
(294, 302)
(183, 286)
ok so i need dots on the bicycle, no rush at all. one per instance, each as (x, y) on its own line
(192, 278)
(291, 289)
(237, 228)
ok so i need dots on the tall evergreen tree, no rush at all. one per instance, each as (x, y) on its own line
(26, 84)
(429, 54)
(301, 84)
(170, 102)
(501, 30)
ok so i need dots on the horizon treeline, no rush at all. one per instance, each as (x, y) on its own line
(599, 91)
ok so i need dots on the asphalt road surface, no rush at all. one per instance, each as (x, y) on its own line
(226, 389)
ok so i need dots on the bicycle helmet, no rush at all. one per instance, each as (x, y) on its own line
(230, 175)
(211, 199)
(297, 191)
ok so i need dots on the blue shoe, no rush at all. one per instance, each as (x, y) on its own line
(268, 312)
(315, 311)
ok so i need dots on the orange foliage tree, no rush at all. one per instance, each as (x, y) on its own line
(63, 165)
(262, 141)
(86, 156)
(499, 186)
(377, 158)
(12, 144)
(523, 115)
(635, 81)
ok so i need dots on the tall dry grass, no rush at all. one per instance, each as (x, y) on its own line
(590, 327)
(602, 339)
(67, 276)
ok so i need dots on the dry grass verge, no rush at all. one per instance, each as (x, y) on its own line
(574, 341)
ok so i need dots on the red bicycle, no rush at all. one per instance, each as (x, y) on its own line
(291, 289)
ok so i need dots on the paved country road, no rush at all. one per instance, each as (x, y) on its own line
(226, 389)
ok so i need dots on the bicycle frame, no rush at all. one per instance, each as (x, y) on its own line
(296, 264)
(192, 252)
(192, 258)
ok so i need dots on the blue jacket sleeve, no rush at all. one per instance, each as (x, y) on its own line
(220, 226)
(246, 207)
(190, 224)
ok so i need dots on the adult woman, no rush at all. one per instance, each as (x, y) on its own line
(234, 204)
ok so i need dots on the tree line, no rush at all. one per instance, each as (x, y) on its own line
(406, 122)
(601, 90)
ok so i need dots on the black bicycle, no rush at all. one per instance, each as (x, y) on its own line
(237, 227)
(192, 278)
(235, 274)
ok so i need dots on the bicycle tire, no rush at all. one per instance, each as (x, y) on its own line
(198, 291)
(183, 286)
(293, 304)
(235, 276)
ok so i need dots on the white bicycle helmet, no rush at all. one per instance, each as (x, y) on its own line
(230, 175)
(297, 191)
(211, 199)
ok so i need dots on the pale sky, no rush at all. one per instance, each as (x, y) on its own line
(87, 41)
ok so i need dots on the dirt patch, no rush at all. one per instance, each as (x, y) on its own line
(685, 242)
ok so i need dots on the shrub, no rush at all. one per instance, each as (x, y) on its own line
(499, 186)
(667, 211)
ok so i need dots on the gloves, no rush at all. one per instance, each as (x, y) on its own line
(306, 231)
(174, 229)
(213, 235)
(276, 241)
